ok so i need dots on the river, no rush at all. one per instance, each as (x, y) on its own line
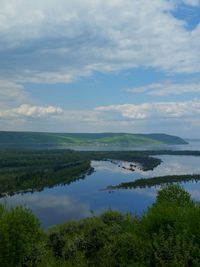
(86, 197)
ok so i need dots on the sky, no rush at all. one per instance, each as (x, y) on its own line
(100, 66)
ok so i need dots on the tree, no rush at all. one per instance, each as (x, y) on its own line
(174, 195)
(19, 235)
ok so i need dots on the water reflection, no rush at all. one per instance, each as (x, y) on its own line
(116, 166)
(50, 208)
(74, 201)
(176, 165)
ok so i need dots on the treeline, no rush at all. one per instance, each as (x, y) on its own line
(34, 170)
(168, 234)
(155, 181)
(173, 152)
(25, 170)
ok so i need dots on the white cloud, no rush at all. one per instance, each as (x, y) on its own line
(166, 88)
(30, 111)
(161, 110)
(48, 41)
(180, 118)
(108, 114)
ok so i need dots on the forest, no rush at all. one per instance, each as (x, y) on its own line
(30, 170)
(167, 234)
(157, 181)
(25, 170)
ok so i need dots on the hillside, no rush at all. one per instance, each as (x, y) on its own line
(82, 139)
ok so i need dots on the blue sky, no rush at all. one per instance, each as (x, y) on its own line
(96, 66)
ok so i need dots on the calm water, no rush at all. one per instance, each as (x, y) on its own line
(79, 199)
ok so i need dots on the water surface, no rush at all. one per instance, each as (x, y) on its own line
(85, 197)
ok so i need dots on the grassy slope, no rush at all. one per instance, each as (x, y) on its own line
(31, 138)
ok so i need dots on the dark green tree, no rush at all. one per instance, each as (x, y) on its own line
(19, 235)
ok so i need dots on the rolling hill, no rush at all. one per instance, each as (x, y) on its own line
(85, 139)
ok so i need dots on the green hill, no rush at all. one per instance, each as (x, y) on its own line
(84, 139)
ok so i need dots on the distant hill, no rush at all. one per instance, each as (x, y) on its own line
(84, 139)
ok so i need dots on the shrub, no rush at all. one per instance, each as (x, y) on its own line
(19, 235)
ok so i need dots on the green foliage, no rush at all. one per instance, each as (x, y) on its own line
(19, 236)
(159, 180)
(174, 195)
(167, 235)
(173, 249)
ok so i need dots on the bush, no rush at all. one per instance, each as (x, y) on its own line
(167, 235)
(174, 195)
(19, 236)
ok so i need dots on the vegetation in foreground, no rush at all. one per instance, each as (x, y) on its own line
(168, 234)
(155, 181)
(29, 170)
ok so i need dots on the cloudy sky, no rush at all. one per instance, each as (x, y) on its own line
(100, 65)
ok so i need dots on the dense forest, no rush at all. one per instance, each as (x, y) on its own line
(168, 234)
(155, 181)
(29, 170)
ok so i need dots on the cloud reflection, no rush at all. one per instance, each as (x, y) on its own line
(51, 209)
